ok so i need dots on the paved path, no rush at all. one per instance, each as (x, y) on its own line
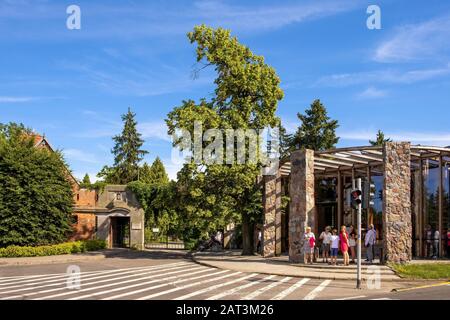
(159, 275)
(233, 260)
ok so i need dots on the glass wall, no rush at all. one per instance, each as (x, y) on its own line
(430, 220)
(375, 215)
(446, 206)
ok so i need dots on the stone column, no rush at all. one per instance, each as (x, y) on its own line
(397, 224)
(272, 215)
(302, 204)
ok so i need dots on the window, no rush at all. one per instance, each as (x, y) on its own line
(119, 196)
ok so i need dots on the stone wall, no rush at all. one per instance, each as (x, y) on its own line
(302, 205)
(272, 215)
(397, 232)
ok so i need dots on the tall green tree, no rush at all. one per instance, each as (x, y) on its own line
(127, 151)
(317, 131)
(285, 142)
(380, 139)
(154, 174)
(246, 95)
(86, 182)
(36, 197)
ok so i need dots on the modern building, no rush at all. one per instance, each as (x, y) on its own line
(406, 197)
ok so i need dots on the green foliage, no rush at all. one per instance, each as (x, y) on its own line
(245, 97)
(317, 130)
(36, 197)
(127, 153)
(154, 174)
(423, 271)
(86, 182)
(51, 250)
(159, 202)
(380, 139)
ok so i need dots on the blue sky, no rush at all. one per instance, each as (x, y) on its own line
(73, 85)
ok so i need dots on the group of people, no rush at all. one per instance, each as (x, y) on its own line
(332, 243)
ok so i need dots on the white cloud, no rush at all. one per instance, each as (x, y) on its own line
(6, 99)
(80, 155)
(371, 93)
(154, 130)
(389, 76)
(416, 42)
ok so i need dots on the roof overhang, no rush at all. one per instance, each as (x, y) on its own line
(330, 162)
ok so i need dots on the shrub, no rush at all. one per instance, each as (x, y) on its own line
(52, 250)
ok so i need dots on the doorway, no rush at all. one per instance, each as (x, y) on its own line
(120, 232)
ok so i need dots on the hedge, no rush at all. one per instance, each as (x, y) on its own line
(52, 250)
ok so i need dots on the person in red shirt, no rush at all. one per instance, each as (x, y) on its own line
(448, 243)
(344, 241)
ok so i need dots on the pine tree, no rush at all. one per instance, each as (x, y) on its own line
(127, 153)
(158, 172)
(86, 182)
(317, 131)
(380, 140)
(285, 143)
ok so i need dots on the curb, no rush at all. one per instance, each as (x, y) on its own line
(30, 261)
(202, 263)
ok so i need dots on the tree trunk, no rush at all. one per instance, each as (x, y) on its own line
(248, 245)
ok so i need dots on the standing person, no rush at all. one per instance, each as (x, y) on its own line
(258, 245)
(429, 239)
(436, 236)
(325, 236)
(343, 238)
(219, 237)
(334, 243)
(352, 243)
(448, 243)
(308, 246)
(369, 242)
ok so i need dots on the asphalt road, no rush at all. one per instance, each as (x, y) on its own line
(173, 276)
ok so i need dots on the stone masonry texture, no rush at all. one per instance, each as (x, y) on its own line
(302, 204)
(397, 232)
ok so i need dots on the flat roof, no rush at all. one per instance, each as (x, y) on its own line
(332, 161)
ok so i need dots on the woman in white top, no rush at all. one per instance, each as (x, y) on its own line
(334, 247)
(325, 236)
(308, 246)
(352, 243)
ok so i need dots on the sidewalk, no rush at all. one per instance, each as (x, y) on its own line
(232, 260)
(78, 257)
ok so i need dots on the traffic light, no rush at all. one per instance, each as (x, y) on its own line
(369, 193)
(356, 198)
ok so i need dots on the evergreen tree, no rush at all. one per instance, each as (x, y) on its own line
(86, 182)
(36, 197)
(145, 173)
(285, 142)
(380, 139)
(127, 153)
(158, 172)
(317, 130)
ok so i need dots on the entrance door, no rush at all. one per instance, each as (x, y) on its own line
(120, 232)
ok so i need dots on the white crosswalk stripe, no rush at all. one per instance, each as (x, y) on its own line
(115, 283)
(290, 290)
(187, 286)
(164, 285)
(260, 291)
(234, 290)
(175, 281)
(313, 294)
(99, 275)
(198, 292)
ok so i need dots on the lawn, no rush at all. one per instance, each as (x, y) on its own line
(423, 271)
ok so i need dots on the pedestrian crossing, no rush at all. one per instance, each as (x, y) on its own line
(183, 280)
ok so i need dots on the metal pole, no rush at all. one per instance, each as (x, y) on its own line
(358, 277)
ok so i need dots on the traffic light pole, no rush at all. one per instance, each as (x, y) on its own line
(359, 214)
